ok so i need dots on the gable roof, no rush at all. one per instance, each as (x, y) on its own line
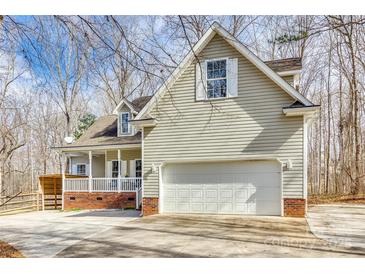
(136, 105)
(200, 45)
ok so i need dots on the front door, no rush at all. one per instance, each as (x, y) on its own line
(115, 168)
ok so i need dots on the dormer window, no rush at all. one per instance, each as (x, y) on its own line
(124, 123)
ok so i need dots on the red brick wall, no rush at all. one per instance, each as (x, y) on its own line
(86, 200)
(294, 207)
(150, 206)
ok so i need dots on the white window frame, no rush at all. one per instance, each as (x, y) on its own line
(206, 77)
(120, 121)
(77, 169)
(111, 166)
(135, 167)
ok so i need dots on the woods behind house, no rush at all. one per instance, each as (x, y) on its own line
(57, 72)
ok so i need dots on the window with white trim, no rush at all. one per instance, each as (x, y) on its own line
(81, 169)
(115, 169)
(124, 123)
(138, 168)
(216, 75)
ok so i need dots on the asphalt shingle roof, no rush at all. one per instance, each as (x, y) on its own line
(285, 64)
(104, 131)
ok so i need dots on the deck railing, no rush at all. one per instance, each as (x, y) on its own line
(125, 184)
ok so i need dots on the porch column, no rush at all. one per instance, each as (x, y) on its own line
(119, 169)
(69, 165)
(90, 170)
(63, 166)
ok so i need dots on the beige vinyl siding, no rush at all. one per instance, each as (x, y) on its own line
(125, 155)
(98, 166)
(251, 124)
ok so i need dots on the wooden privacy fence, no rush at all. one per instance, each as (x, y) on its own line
(20, 203)
(51, 190)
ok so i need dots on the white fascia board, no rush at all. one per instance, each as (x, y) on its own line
(301, 111)
(289, 72)
(121, 103)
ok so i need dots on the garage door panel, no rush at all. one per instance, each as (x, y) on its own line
(211, 195)
(240, 208)
(170, 194)
(223, 188)
(169, 206)
(183, 193)
(197, 194)
(211, 207)
(226, 194)
(197, 207)
(183, 207)
(225, 208)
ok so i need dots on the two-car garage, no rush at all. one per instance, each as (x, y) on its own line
(231, 187)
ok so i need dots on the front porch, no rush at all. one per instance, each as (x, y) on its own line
(107, 179)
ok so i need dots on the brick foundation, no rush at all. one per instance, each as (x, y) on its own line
(99, 200)
(150, 206)
(294, 207)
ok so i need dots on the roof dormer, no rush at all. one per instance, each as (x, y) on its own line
(126, 112)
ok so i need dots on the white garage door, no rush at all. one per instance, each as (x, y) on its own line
(242, 187)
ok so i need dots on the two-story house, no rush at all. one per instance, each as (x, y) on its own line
(225, 134)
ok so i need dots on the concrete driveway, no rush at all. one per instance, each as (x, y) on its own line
(46, 233)
(208, 236)
(339, 224)
(123, 234)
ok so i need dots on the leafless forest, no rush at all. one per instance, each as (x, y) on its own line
(54, 70)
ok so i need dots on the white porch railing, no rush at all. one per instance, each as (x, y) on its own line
(130, 184)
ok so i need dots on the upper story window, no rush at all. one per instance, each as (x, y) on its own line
(216, 78)
(124, 123)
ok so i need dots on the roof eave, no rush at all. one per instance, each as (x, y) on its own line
(140, 123)
(126, 102)
(97, 147)
(300, 111)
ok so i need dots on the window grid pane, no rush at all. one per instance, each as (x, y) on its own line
(217, 88)
(217, 78)
(216, 69)
(81, 169)
(138, 168)
(125, 122)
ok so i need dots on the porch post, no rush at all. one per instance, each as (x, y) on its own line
(119, 169)
(63, 183)
(90, 170)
